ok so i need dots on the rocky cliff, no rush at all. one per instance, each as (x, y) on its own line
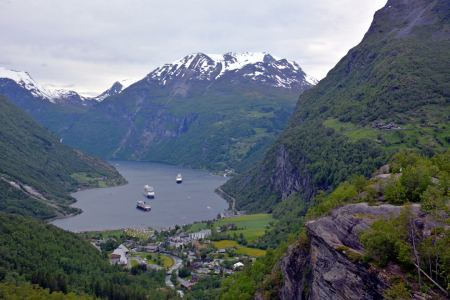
(325, 271)
(331, 265)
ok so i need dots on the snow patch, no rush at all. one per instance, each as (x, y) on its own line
(213, 66)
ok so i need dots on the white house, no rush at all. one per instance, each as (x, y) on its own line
(238, 265)
(121, 253)
(202, 234)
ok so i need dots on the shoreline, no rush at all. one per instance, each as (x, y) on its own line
(75, 201)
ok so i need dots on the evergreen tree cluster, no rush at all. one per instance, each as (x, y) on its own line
(61, 261)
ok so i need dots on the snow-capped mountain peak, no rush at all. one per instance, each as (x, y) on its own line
(258, 66)
(116, 88)
(24, 80)
(64, 97)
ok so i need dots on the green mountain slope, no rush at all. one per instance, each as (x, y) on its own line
(37, 171)
(39, 253)
(195, 112)
(399, 74)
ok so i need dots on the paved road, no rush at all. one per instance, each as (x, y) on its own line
(178, 263)
(234, 200)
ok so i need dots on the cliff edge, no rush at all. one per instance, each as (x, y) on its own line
(332, 268)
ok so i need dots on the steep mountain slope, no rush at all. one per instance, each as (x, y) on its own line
(389, 92)
(206, 111)
(36, 169)
(56, 110)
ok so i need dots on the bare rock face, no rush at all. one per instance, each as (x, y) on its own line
(322, 271)
(287, 177)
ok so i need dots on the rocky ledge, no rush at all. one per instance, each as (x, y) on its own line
(331, 267)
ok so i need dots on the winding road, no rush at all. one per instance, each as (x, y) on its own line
(234, 200)
(178, 263)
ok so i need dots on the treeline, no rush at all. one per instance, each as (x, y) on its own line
(35, 252)
(28, 291)
(413, 178)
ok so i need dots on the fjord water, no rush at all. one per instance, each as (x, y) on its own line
(115, 208)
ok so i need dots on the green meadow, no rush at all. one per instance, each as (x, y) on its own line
(252, 226)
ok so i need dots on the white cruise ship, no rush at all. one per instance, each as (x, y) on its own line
(179, 178)
(148, 191)
(143, 205)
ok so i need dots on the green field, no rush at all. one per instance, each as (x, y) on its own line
(105, 234)
(240, 249)
(134, 263)
(86, 180)
(253, 225)
(167, 263)
(409, 136)
(197, 227)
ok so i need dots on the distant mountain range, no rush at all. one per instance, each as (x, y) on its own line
(205, 111)
(54, 109)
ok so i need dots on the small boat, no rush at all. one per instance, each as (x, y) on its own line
(148, 191)
(143, 205)
(179, 178)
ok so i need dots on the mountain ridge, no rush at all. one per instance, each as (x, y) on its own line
(213, 66)
(195, 113)
(56, 110)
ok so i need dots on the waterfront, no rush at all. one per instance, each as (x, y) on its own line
(114, 208)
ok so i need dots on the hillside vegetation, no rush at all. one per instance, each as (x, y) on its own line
(38, 253)
(397, 75)
(40, 167)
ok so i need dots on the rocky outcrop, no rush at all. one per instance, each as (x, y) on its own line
(325, 272)
(287, 177)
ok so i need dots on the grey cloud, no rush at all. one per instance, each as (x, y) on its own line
(94, 43)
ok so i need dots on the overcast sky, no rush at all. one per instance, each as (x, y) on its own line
(87, 45)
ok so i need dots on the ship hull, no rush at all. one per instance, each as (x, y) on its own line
(143, 208)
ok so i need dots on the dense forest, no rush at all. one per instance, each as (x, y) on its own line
(39, 253)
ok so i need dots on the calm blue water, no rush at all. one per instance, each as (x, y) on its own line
(115, 208)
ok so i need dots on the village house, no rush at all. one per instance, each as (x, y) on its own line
(186, 284)
(203, 270)
(202, 234)
(121, 254)
(149, 249)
